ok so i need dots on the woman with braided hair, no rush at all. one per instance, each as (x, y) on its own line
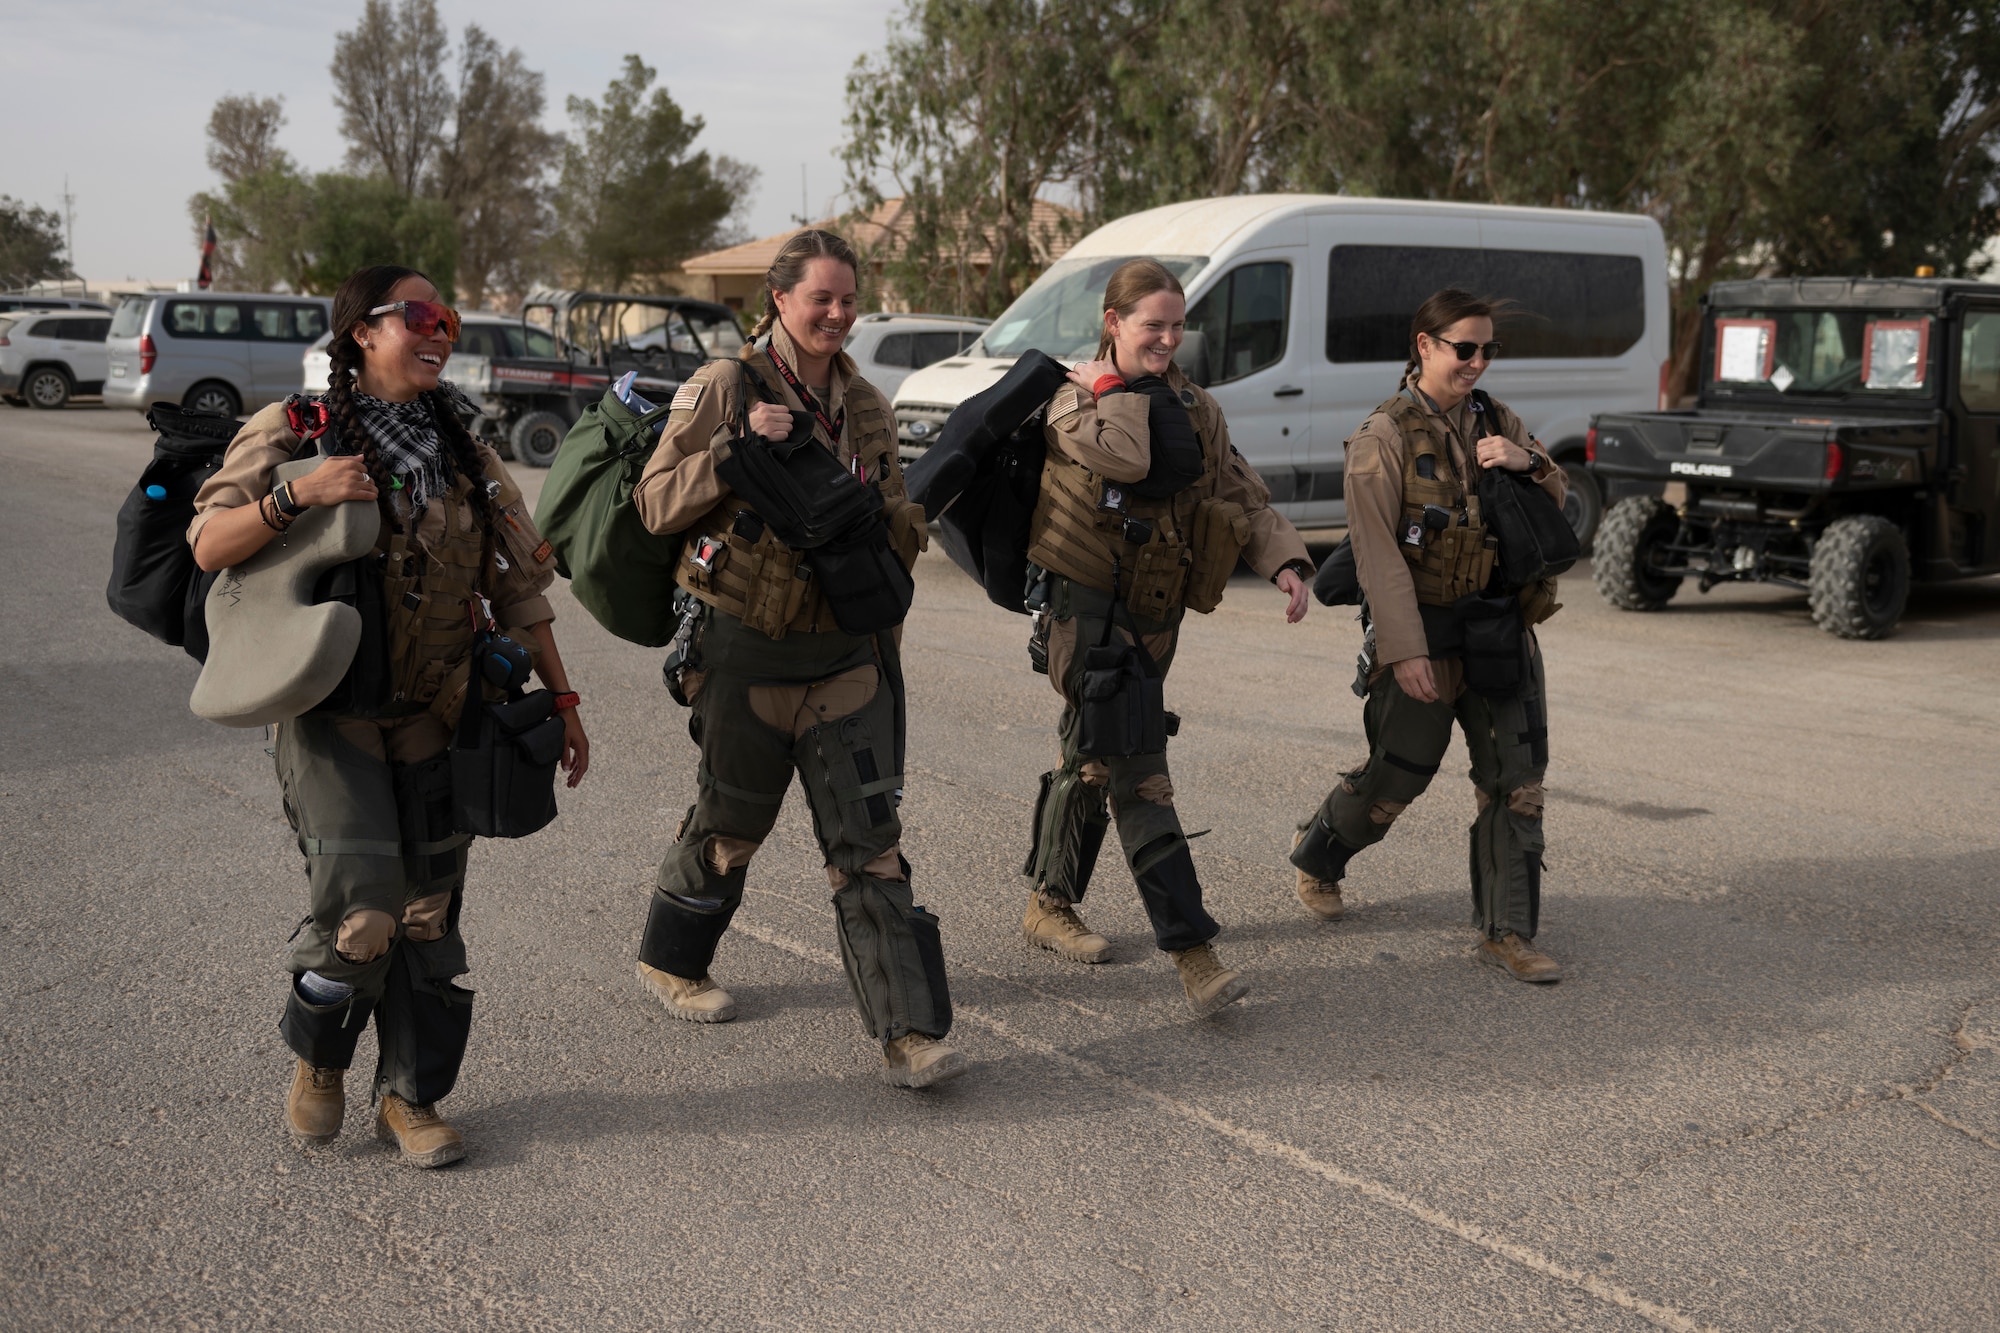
(367, 781)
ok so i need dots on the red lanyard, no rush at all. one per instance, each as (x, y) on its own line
(832, 428)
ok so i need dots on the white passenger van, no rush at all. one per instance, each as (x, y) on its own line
(1299, 310)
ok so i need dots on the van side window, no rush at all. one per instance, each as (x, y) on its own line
(1979, 361)
(288, 323)
(1242, 320)
(308, 323)
(204, 319)
(1567, 305)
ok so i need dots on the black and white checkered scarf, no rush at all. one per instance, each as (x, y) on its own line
(406, 439)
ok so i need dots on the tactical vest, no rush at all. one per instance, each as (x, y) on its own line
(428, 596)
(734, 563)
(1446, 562)
(1162, 554)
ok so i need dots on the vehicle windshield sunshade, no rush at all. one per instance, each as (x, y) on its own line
(1757, 353)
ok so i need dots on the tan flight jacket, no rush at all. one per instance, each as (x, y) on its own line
(1376, 457)
(519, 593)
(1109, 438)
(764, 583)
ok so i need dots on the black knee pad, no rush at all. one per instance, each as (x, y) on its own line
(1070, 823)
(323, 1035)
(1320, 854)
(930, 950)
(423, 1022)
(1171, 893)
(894, 956)
(682, 933)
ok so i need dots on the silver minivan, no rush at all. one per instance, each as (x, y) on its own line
(225, 352)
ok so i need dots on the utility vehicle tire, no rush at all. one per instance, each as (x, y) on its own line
(537, 436)
(214, 398)
(1624, 562)
(1583, 506)
(1860, 577)
(46, 388)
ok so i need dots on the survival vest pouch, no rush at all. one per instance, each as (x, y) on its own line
(503, 761)
(1536, 541)
(621, 572)
(1496, 645)
(1176, 449)
(981, 479)
(815, 505)
(1121, 706)
(155, 583)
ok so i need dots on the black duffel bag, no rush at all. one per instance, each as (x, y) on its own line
(154, 581)
(1536, 541)
(503, 763)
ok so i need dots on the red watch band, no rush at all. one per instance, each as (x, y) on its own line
(569, 700)
(1104, 381)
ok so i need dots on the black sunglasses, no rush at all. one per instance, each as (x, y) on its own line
(1465, 350)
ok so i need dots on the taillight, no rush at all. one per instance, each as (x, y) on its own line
(1834, 460)
(1666, 374)
(1590, 445)
(147, 354)
(4, 342)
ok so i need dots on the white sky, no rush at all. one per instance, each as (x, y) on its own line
(116, 94)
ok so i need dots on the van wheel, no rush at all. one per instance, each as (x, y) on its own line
(212, 398)
(537, 436)
(46, 388)
(1625, 565)
(1860, 577)
(1583, 506)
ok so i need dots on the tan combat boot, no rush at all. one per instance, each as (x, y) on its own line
(1318, 896)
(1520, 959)
(1053, 924)
(697, 1001)
(1209, 985)
(316, 1103)
(914, 1060)
(426, 1138)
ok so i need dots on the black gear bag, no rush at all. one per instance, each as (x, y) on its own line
(1173, 445)
(980, 480)
(155, 583)
(504, 757)
(1536, 540)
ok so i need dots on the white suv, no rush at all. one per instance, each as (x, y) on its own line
(46, 356)
(887, 347)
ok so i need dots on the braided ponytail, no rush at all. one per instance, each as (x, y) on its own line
(339, 399)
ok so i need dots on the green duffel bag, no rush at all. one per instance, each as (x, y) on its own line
(623, 574)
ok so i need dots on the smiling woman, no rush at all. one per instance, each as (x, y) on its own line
(368, 782)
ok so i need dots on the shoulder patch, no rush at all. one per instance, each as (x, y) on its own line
(1066, 403)
(688, 395)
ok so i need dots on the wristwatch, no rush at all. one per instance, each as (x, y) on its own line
(281, 495)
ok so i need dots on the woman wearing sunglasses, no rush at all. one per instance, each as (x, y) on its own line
(367, 785)
(1421, 549)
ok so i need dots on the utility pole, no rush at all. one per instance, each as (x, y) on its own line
(69, 227)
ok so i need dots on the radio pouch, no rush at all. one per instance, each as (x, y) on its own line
(503, 764)
(867, 587)
(1496, 645)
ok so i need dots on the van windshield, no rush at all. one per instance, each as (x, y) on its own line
(1792, 352)
(131, 317)
(1062, 312)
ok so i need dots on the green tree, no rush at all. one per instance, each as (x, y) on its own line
(492, 170)
(360, 220)
(31, 243)
(390, 87)
(633, 200)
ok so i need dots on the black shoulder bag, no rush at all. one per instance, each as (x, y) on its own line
(504, 755)
(1536, 540)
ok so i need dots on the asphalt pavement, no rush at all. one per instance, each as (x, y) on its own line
(1767, 1095)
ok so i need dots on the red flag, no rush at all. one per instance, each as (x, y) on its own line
(207, 276)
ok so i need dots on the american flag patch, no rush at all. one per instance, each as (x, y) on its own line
(1065, 403)
(687, 396)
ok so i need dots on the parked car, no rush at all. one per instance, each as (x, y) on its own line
(888, 346)
(591, 339)
(24, 301)
(1846, 442)
(45, 358)
(1299, 312)
(226, 352)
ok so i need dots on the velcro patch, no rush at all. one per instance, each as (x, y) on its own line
(543, 552)
(687, 396)
(1067, 401)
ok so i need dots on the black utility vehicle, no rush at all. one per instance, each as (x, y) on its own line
(597, 337)
(1845, 442)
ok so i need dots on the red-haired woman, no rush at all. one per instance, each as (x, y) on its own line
(1145, 507)
(368, 788)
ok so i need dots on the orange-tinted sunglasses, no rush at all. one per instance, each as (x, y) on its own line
(423, 317)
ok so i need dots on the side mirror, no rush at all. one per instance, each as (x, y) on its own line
(1192, 358)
